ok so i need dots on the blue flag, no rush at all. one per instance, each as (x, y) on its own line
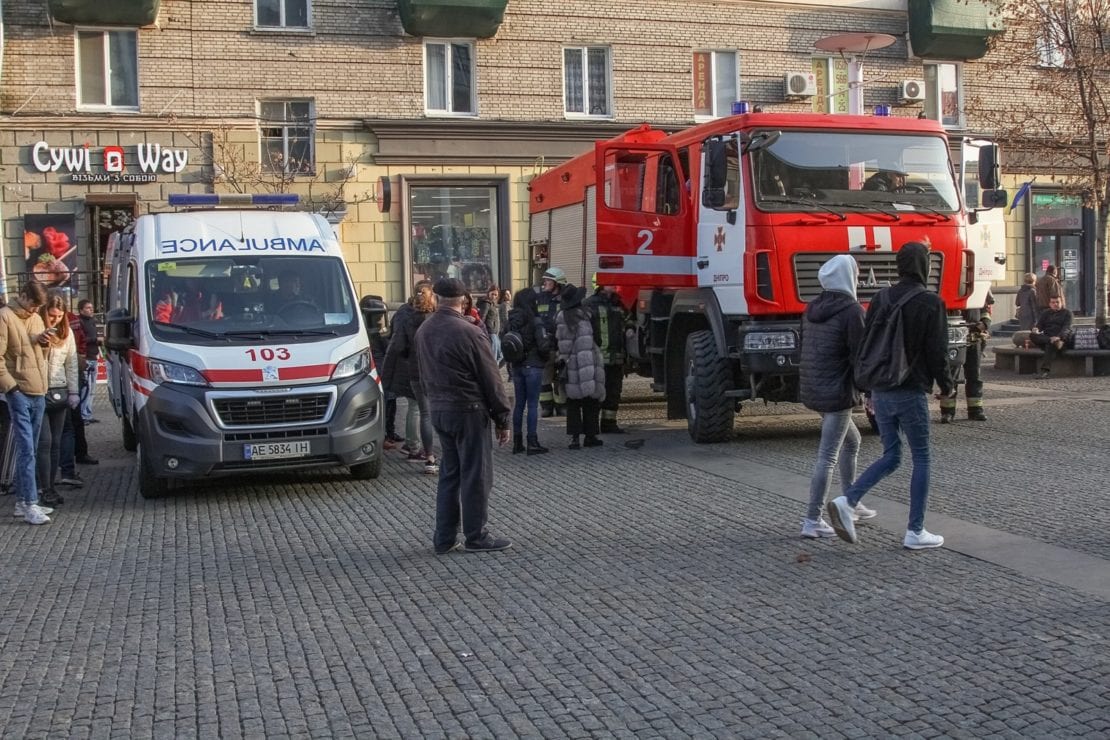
(1021, 193)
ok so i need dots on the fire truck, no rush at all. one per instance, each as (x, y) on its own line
(714, 235)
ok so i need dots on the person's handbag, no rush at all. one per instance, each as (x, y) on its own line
(56, 398)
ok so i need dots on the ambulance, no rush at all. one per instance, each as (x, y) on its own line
(236, 346)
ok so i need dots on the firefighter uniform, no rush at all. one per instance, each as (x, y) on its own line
(608, 318)
(979, 323)
(547, 306)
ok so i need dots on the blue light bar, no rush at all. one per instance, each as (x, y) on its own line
(233, 199)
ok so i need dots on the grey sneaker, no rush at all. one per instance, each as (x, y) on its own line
(815, 529)
(35, 515)
(489, 544)
(74, 480)
(861, 512)
(840, 517)
(922, 540)
(21, 509)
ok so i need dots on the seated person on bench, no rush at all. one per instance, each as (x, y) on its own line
(1051, 331)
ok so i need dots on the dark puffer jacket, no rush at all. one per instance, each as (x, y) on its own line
(832, 328)
(399, 371)
(523, 320)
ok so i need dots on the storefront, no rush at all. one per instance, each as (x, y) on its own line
(1061, 233)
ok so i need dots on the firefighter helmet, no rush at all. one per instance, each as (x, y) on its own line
(556, 274)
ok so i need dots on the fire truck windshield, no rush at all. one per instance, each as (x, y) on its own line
(863, 170)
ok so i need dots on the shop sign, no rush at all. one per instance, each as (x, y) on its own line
(78, 162)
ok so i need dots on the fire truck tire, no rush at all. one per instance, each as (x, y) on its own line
(150, 486)
(130, 441)
(709, 413)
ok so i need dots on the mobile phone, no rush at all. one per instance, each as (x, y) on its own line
(52, 330)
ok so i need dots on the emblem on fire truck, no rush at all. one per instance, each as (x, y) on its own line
(719, 239)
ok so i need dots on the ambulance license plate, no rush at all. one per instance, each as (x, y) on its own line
(276, 450)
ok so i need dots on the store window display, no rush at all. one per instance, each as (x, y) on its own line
(454, 234)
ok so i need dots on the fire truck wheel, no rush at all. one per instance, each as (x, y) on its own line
(150, 486)
(709, 414)
(130, 441)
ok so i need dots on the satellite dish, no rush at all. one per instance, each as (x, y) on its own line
(855, 43)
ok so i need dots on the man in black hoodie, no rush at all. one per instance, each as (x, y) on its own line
(905, 409)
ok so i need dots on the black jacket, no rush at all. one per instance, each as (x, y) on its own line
(399, 370)
(1055, 323)
(832, 328)
(537, 343)
(924, 324)
(456, 367)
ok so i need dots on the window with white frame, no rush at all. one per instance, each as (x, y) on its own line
(586, 82)
(286, 136)
(943, 93)
(449, 77)
(716, 83)
(107, 69)
(281, 13)
(1052, 37)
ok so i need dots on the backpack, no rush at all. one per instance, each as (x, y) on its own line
(1103, 337)
(882, 364)
(512, 347)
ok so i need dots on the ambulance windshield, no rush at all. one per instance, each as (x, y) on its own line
(814, 170)
(241, 298)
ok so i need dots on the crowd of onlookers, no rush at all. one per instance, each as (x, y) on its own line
(47, 376)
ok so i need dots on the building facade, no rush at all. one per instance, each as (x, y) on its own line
(415, 126)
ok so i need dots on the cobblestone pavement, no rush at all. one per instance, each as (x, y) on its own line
(644, 596)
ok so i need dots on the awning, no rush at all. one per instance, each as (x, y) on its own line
(452, 18)
(104, 12)
(952, 29)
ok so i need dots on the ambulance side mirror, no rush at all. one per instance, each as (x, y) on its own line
(713, 195)
(118, 331)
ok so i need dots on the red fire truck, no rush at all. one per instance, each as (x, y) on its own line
(714, 236)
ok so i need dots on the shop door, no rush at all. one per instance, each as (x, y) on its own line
(1062, 250)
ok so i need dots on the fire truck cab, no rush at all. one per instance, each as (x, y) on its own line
(714, 237)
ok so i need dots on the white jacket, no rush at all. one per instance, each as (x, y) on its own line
(61, 365)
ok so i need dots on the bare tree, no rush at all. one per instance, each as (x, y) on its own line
(1055, 123)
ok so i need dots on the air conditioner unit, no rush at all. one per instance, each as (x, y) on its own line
(911, 91)
(800, 84)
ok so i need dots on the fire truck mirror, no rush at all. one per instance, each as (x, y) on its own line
(995, 198)
(716, 174)
(988, 167)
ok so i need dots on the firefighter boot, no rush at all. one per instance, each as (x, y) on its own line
(547, 409)
(975, 409)
(609, 426)
(947, 410)
(518, 443)
(534, 446)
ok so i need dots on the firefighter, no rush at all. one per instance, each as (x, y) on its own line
(608, 317)
(547, 305)
(979, 324)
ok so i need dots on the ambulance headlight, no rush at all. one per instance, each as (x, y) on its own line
(768, 340)
(168, 372)
(957, 335)
(353, 365)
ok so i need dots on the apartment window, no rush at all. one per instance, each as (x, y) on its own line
(586, 86)
(449, 77)
(281, 13)
(716, 83)
(942, 94)
(286, 135)
(107, 69)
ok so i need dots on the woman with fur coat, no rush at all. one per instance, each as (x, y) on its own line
(580, 368)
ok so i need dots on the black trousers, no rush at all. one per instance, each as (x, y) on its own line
(583, 416)
(465, 474)
(1050, 351)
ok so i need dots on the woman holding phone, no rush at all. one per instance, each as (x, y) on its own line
(61, 374)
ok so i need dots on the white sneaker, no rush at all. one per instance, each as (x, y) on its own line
(814, 529)
(921, 540)
(35, 515)
(862, 512)
(840, 517)
(21, 509)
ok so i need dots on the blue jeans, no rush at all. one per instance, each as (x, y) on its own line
(26, 412)
(900, 412)
(87, 389)
(838, 433)
(526, 389)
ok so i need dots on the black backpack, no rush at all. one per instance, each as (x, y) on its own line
(512, 347)
(881, 364)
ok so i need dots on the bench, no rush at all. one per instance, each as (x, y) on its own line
(1070, 362)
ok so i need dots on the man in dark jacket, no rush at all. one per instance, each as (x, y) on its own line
(607, 316)
(906, 407)
(464, 391)
(832, 328)
(1051, 331)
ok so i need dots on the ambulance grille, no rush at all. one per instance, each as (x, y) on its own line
(876, 271)
(285, 409)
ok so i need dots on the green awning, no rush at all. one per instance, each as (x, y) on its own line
(105, 12)
(452, 18)
(952, 29)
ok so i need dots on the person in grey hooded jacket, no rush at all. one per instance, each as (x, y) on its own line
(832, 328)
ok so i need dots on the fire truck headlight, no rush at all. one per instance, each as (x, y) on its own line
(768, 340)
(957, 335)
(169, 372)
(357, 363)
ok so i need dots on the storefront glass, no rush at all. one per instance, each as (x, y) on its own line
(454, 232)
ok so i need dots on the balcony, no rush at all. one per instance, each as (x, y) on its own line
(104, 12)
(952, 29)
(452, 18)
